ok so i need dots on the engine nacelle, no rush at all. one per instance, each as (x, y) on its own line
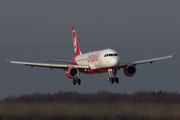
(130, 70)
(72, 72)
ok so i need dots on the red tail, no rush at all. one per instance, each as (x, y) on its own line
(77, 50)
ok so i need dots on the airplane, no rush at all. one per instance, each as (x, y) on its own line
(101, 61)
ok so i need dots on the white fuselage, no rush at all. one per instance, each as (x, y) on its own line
(99, 61)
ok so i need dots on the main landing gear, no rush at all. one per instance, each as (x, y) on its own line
(112, 76)
(76, 80)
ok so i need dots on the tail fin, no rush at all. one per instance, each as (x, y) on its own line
(77, 50)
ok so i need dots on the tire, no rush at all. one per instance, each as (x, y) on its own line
(74, 82)
(112, 80)
(78, 81)
(117, 80)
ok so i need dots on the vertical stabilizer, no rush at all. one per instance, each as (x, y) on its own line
(77, 50)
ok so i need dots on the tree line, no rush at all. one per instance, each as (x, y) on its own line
(99, 97)
(142, 105)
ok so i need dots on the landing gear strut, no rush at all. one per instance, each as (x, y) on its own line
(112, 76)
(76, 80)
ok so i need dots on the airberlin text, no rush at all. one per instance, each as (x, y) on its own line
(93, 57)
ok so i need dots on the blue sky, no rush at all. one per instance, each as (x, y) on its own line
(36, 30)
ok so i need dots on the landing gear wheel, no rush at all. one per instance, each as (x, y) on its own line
(112, 80)
(117, 80)
(112, 75)
(74, 82)
(78, 81)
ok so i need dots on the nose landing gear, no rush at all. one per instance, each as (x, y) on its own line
(112, 76)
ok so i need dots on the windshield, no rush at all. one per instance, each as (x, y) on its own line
(106, 55)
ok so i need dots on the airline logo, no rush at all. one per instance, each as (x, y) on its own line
(77, 50)
(93, 57)
(75, 45)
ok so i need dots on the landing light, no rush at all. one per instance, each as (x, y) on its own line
(109, 70)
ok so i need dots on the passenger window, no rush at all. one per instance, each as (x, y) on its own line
(110, 54)
(115, 54)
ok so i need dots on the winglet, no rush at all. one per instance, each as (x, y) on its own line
(173, 55)
(6, 61)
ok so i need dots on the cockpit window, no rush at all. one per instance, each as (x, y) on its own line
(106, 55)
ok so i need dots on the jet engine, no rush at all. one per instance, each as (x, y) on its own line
(130, 70)
(72, 72)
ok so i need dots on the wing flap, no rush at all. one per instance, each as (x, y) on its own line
(152, 60)
(146, 61)
(53, 60)
(60, 66)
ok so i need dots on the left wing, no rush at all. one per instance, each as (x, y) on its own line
(146, 61)
(51, 66)
(63, 61)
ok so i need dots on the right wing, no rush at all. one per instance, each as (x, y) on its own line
(51, 66)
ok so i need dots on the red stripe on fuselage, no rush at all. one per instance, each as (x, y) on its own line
(99, 70)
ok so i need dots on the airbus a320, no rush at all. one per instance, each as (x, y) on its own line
(101, 61)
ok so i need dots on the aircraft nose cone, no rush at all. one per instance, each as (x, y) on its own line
(115, 61)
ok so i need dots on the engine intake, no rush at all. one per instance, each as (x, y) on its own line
(72, 72)
(130, 70)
